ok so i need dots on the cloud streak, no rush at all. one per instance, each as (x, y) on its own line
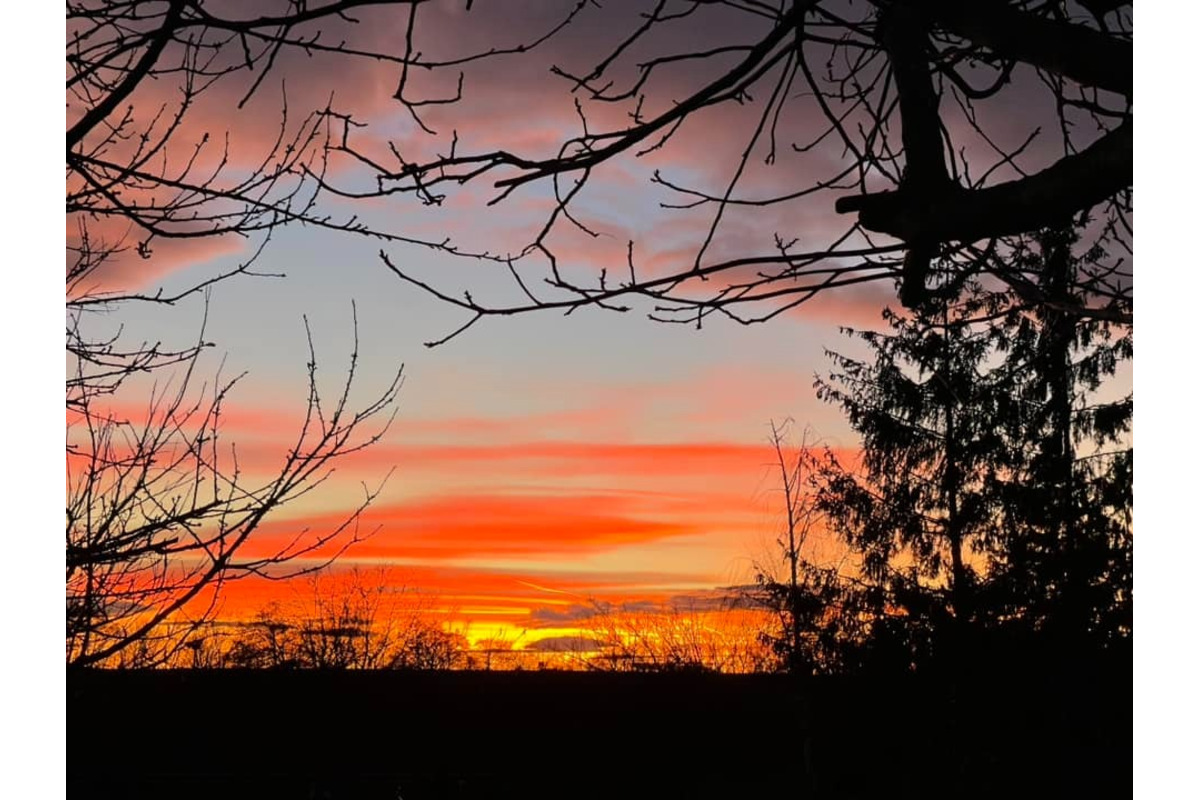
(503, 526)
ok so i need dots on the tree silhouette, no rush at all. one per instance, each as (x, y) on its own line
(684, 634)
(794, 587)
(352, 620)
(1066, 555)
(159, 510)
(994, 493)
(907, 94)
(143, 171)
(922, 507)
(895, 112)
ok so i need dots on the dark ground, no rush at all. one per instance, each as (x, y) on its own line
(309, 735)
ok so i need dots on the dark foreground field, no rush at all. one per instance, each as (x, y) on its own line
(309, 735)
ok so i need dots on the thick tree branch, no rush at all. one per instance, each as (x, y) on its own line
(99, 112)
(1085, 55)
(1072, 184)
(904, 37)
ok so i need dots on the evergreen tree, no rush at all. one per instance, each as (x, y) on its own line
(1062, 564)
(920, 509)
(994, 491)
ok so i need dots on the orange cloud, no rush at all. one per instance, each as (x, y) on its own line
(543, 460)
(502, 526)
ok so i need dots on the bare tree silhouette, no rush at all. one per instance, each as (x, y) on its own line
(688, 634)
(788, 580)
(141, 170)
(895, 112)
(349, 620)
(914, 141)
(159, 511)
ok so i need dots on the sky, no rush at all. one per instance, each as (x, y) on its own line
(607, 456)
(536, 461)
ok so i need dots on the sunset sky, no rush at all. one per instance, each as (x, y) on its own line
(539, 462)
(603, 456)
